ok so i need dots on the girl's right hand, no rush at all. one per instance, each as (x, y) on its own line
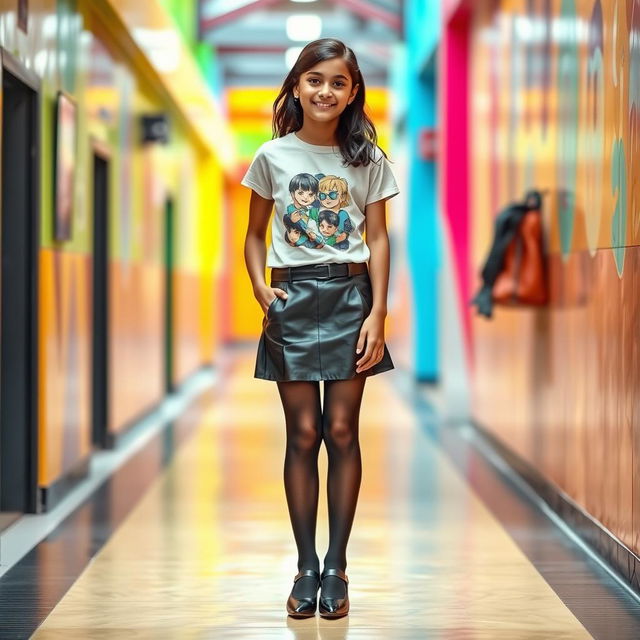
(266, 295)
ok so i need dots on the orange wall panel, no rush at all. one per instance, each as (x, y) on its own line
(64, 362)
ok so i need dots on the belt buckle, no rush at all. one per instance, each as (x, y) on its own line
(325, 266)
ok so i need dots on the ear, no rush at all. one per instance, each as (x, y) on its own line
(352, 97)
(296, 90)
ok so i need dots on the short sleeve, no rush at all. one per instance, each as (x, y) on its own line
(382, 183)
(258, 176)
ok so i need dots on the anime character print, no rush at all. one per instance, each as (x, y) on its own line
(333, 194)
(315, 218)
(303, 189)
(292, 235)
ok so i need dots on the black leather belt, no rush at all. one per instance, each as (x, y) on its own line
(317, 271)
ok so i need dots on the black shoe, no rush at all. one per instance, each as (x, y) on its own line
(303, 607)
(334, 607)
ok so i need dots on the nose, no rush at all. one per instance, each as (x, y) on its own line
(325, 90)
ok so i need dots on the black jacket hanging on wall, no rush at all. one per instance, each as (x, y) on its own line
(506, 226)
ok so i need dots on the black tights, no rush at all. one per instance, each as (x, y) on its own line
(307, 426)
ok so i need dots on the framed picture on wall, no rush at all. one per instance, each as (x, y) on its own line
(64, 163)
(23, 14)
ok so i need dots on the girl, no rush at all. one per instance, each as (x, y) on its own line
(324, 309)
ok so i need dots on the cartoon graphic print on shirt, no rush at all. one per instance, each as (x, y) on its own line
(315, 218)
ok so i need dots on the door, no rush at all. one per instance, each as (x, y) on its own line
(18, 290)
(169, 289)
(100, 367)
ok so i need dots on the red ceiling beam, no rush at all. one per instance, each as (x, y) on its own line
(362, 8)
(249, 48)
(372, 12)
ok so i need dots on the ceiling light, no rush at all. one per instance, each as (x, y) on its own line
(303, 0)
(303, 28)
(291, 55)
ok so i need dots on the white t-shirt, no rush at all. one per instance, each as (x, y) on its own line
(319, 203)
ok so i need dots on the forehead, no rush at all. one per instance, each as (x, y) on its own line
(330, 69)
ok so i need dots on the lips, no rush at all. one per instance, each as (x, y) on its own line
(324, 105)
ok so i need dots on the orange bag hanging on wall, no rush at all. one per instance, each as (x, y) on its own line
(514, 273)
(522, 280)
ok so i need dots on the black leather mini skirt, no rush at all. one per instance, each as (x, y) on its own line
(312, 335)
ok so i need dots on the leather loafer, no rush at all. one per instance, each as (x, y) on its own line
(303, 607)
(334, 607)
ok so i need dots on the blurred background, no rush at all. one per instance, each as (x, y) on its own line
(127, 126)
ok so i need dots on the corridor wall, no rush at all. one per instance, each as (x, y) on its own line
(88, 50)
(555, 104)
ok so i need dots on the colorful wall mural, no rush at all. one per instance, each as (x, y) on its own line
(555, 89)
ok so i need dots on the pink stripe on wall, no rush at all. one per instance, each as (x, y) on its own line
(450, 8)
(454, 104)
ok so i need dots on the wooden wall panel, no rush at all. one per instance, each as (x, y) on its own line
(559, 384)
(136, 346)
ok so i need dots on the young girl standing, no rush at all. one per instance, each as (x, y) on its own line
(324, 308)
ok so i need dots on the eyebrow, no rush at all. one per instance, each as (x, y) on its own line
(317, 73)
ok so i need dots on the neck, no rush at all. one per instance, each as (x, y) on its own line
(322, 134)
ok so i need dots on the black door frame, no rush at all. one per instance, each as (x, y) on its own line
(10, 64)
(100, 377)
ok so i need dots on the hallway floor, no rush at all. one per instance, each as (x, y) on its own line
(190, 538)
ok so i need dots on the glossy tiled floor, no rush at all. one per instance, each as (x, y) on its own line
(207, 552)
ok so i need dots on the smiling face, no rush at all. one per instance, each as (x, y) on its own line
(329, 202)
(326, 228)
(302, 198)
(325, 90)
(333, 192)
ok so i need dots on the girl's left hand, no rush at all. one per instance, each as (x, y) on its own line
(371, 332)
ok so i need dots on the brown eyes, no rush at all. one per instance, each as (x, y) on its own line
(337, 84)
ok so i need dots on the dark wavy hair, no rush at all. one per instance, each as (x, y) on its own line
(356, 132)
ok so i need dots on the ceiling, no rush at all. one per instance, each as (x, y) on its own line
(250, 36)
